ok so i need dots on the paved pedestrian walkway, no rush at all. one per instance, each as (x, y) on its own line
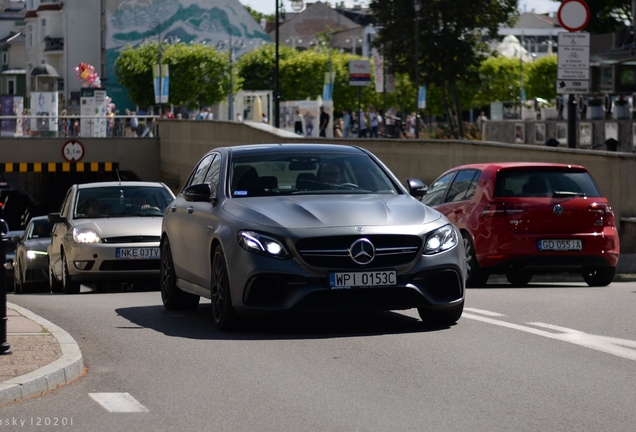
(43, 356)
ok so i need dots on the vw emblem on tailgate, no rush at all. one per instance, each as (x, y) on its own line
(558, 210)
(362, 251)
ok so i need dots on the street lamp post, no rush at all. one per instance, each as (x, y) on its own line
(297, 6)
(417, 6)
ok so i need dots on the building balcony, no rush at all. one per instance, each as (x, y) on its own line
(52, 44)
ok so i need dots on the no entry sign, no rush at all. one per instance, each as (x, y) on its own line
(574, 15)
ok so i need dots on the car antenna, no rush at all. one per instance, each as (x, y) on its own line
(118, 178)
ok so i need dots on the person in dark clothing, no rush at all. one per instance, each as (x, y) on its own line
(324, 122)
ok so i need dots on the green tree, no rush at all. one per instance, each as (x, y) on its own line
(199, 75)
(540, 77)
(500, 78)
(607, 16)
(449, 35)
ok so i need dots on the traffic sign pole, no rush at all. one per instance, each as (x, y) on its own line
(573, 76)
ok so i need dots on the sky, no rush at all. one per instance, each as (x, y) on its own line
(269, 6)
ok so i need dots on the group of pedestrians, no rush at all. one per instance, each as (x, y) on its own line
(359, 124)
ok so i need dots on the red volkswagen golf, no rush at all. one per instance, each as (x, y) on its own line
(522, 219)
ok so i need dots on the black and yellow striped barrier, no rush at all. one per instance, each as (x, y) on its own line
(58, 167)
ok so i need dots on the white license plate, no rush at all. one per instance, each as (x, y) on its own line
(560, 245)
(138, 253)
(363, 279)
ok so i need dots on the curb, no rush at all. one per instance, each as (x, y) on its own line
(60, 372)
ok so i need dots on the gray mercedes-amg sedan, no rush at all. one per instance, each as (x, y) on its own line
(308, 227)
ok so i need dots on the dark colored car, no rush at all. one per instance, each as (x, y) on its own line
(273, 228)
(522, 219)
(31, 260)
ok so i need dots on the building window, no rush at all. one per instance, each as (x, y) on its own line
(5, 58)
(42, 29)
(11, 86)
(30, 36)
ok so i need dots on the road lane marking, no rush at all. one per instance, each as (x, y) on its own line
(610, 345)
(484, 312)
(118, 402)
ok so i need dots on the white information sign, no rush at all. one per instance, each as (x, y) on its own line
(573, 73)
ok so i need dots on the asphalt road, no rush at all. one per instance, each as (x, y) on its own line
(550, 357)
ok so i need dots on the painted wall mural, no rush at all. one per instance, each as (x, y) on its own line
(191, 21)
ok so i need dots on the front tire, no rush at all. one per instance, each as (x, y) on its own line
(69, 286)
(54, 285)
(17, 280)
(599, 276)
(476, 277)
(223, 312)
(172, 296)
(446, 317)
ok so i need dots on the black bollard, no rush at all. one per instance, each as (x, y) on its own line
(5, 348)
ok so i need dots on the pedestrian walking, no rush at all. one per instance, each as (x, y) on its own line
(373, 122)
(363, 125)
(346, 123)
(324, 122)
(298, 123)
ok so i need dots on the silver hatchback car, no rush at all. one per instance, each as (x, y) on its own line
(107, 232)
(310, 227)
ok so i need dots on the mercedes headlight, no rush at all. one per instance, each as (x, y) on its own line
(85, 235)
(263, 245)
(440, 240)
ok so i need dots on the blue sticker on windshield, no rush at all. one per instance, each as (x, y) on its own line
(240, 193)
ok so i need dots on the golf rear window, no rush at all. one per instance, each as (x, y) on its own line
(537, 183)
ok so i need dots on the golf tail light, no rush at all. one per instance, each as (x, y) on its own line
(604, 213)
(262, 244)
(503, 209)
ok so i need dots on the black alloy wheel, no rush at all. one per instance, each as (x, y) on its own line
(17, 280)
(223, 312)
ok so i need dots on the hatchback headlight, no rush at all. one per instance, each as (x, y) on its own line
(263, 245)
(85, 235)
(440, 240)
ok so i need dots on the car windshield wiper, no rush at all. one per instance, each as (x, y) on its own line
(567, 194)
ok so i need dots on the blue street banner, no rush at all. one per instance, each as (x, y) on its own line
(164, 85)
(327, 90)
(421, 98)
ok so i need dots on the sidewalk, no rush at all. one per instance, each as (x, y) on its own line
(43, 356)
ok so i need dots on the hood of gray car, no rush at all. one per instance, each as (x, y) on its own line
(122, 227)
(311, 211)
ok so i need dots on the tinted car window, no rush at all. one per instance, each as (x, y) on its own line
(40, 229)
(277, 174)
(435, 193)
(214, 172)
(545, 183)
(463, 186)
(198, 175)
